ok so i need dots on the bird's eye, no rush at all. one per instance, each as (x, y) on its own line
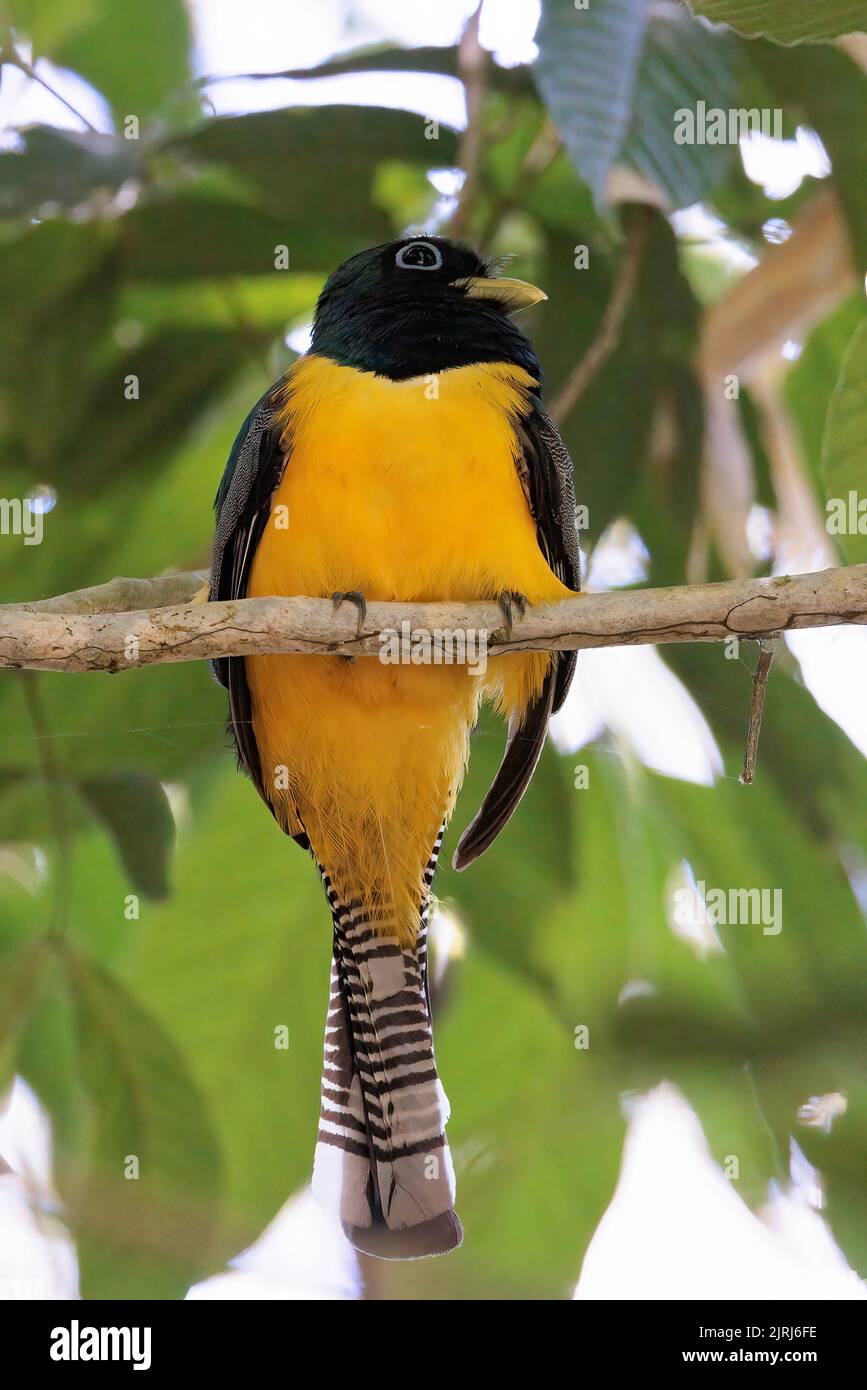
(419, 255)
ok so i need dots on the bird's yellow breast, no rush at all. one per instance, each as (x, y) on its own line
(404, 490)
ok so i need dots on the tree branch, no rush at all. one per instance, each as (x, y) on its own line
(101, 629)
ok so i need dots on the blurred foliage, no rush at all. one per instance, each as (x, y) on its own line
(613, 82)
(843, 447)
(144, 975)
(787, 21)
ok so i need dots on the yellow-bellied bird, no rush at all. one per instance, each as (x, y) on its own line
(406, 456)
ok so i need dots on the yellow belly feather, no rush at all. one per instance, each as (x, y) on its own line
(403, 490)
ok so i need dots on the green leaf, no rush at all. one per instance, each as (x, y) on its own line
(21, 963)
(118, 1094)
(623, 465)
(838, 1150)
(607, 443)
(682, 64)
(508, 894)
(614, 77)
(166, 726)
(141, 1192)
(751, 424)
(47, 22)
(586, 71)
(64, 276)
(135, 55)
(135, 810)
(61, 169)
(798, 1026)
(661, 331)
(825, 89)
(165, 720)
(284, 156)
(270, 302)
(810, 383)
(684, 1018)
(175, 374)
(547, 187)
(536, 1135)
(802, 974)
(186, 237)
(192, 232)
(786, 21)
(844, 451)
(257, 958)
(826, 786)
(42, 264)
(438, 58)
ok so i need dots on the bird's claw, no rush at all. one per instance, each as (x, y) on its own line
(509, 602)
(356, 598)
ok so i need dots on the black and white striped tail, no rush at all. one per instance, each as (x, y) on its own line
(382, 1160)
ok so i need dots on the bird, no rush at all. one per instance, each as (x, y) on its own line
(405, 456)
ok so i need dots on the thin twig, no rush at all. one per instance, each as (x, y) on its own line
(767, 651)
(16, 61)
(472, 65)
(68, 635)
(610, 328)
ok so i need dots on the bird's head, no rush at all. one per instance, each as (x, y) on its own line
(419, 305)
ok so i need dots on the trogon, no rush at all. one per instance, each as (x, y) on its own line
(405, 456)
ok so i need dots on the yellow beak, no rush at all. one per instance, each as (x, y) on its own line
(512, 294)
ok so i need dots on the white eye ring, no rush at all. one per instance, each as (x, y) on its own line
(400, 258)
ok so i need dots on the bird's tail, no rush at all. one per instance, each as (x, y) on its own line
(382, 1160)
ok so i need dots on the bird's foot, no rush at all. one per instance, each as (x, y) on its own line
(202, 595)
(511, 602)
(355, 597)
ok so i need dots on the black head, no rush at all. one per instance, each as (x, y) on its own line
(420, 305)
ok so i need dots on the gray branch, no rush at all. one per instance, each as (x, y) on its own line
(107, 628)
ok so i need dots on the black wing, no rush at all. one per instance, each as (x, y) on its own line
(243, 505)
(546, 474)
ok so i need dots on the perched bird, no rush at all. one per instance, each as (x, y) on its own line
(405, 456)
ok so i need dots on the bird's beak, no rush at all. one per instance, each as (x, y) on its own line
(512, 294)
